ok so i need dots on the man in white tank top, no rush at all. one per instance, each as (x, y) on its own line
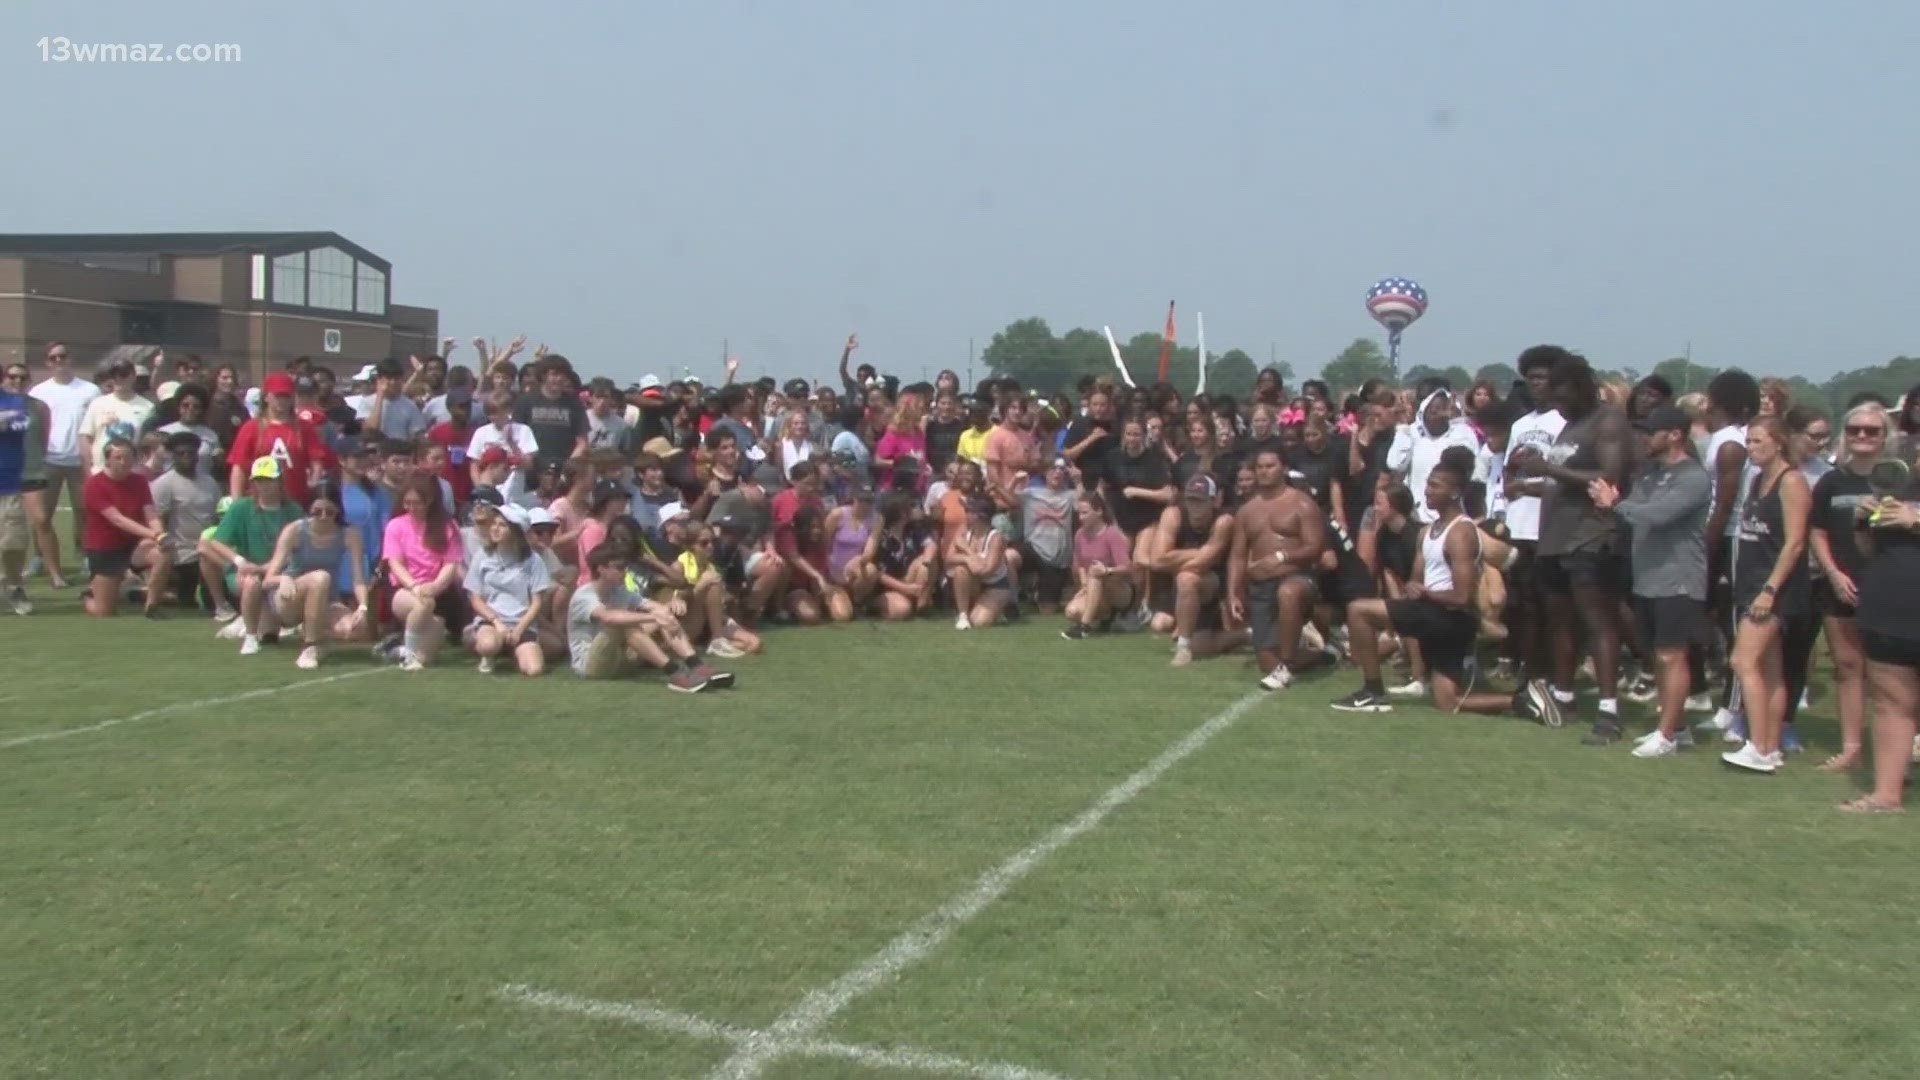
(1437, 615)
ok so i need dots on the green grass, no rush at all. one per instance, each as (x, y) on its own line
(335, 880)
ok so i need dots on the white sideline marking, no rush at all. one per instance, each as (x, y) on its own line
(798, 1024)
(203, 703)
(678, 1023)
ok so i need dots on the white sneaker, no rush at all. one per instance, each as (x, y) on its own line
(1699, 703)
(233, 631)
(224, 613)
(725, 649)
(1751, 759)
(963, 623)
(1182, 655)
(17, 596)
(1277, 679)
(485, 666)
(1656, 745)
(308, 659)
(249, 645)
(1916, 748)
(1412, 688)
(411, 661)
(1310, 638)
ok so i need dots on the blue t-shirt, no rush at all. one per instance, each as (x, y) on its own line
(15, 417)
(365, 512)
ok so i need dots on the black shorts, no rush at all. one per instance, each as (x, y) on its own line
(109, 562)
(1559, 575)
(1887, 649)
(28, 487)
(1263, 608)
(1165, 588)
(1827, 603)
(1523, 577)
(1344, 586)
(1671, 622)
(1445, 634)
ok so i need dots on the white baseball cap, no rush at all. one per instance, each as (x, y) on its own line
(649, 382)
(540, 515)
(365, 374)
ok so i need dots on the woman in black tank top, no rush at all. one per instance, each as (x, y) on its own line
(1889, 536)
(1770, 583)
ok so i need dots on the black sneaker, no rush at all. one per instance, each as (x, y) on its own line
(1605, 732)
(1364, 700)
(1536, 702)
(1074, 632)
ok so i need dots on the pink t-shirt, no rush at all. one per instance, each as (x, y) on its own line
(893, 445)
(406, 541)
(1108, 548)
(591, 534)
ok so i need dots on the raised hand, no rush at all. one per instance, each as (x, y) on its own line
(853, 342)
(733, 366)
(447, 345)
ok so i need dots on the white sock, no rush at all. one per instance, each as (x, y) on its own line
(1610, 706)
(1182, 643)
(1564, 697)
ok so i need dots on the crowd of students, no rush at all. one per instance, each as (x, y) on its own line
(1497, 545)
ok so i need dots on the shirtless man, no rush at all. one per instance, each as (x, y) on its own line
(1278, 538)
(1193, 539)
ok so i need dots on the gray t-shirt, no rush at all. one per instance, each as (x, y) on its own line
(186, 506)
(1048, 516)
(580, 625)
(400, 418)
(1667, 510)
(610, 432)
(507, 587)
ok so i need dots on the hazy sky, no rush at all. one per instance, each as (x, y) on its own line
(632, 183)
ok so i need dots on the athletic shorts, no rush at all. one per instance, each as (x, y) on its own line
(109, 562)
(1887, 649)
(1671, 622)
(529, 636)
(1164, 591)
(1446, 634)
(28, 487)
(1559, 575)
(1263, 608)
(1827, 603)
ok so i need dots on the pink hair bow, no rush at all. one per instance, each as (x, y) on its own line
(1294, 415)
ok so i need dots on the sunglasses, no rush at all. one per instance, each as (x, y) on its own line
(21, 375)
(1819, 436)
(1865, 432)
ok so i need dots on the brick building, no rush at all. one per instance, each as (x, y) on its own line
(255, 300)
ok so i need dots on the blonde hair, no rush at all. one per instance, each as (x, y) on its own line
(1616, 392)
(1694, 405)
(1871, 410)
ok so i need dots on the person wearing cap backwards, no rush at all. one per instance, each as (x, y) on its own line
(455, 434)
(120, 413)
(185, 498)
(239, 550)
(609, 627)
(509, 588)
(300, 580)
(1667, 510)
(1189, 550)
(277, 433)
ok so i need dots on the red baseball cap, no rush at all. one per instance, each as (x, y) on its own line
(492, 456)
(278, 383)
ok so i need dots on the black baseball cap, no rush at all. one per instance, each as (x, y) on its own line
(1664, 418)
(797, 388)
(604, 491)
(488, 495)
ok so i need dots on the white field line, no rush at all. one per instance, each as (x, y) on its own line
(799, 1024)
(678, 1023)
(203, 703)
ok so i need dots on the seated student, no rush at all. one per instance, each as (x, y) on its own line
(240, 549)
(508, 588)
(977, 565)
(850, 529)
(186, 497)
(700, 600)
(542, 527)
(902, 549)
(1100, 554)
(122, 531)
(1437, 612)
(610, 502)
(570, 512)
(299, 577)
(610, 627)
(423, 554)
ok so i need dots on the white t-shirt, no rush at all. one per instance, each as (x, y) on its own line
(67, 406)
(518, 441)
(580, 625)
(1538, 430)
(109, 418)
(1736, 434)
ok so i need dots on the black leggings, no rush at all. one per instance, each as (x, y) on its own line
(1797, 637)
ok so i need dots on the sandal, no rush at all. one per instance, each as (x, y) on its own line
(1843, 761)
(1867, 804)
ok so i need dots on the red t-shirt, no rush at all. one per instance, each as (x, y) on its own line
(785, 507)
(130, 496)
(456, 471)
(296, 446)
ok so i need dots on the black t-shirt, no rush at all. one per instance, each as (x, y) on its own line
(1318, 469)
(1834, 497)
(943, 442)
(1356, 488)
(1250, 446)
(655, 423)
(1092, 463)
(1891, 579)
(556, 422)
(1149, 470)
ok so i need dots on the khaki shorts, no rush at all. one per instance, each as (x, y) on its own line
(13, 523)
(607, 655)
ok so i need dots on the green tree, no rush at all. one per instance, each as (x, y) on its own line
(1026, 350)
(1356, 363)
(1232, 373)
(1456, 377)
(1684, 374)
(1501, 376)
(1890, 380)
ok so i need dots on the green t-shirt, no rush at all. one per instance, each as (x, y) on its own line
(252, 530)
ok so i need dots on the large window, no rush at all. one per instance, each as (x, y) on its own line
(330, 279)
(290, 279)
(372, 297)
(259, 277)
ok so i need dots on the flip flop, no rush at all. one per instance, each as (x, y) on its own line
(1866, 804)
(1839, 763)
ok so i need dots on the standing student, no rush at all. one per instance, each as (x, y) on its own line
(1770, 586)
(66, 396)
(1888, 532)
(1837, 498)
(16, 427)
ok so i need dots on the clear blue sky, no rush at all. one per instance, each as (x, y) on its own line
(634, 182)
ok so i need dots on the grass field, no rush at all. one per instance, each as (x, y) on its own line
(342, 879)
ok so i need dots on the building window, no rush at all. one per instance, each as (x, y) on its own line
(259, 277)
(290, 279)
(330, 279)
(372, 297)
